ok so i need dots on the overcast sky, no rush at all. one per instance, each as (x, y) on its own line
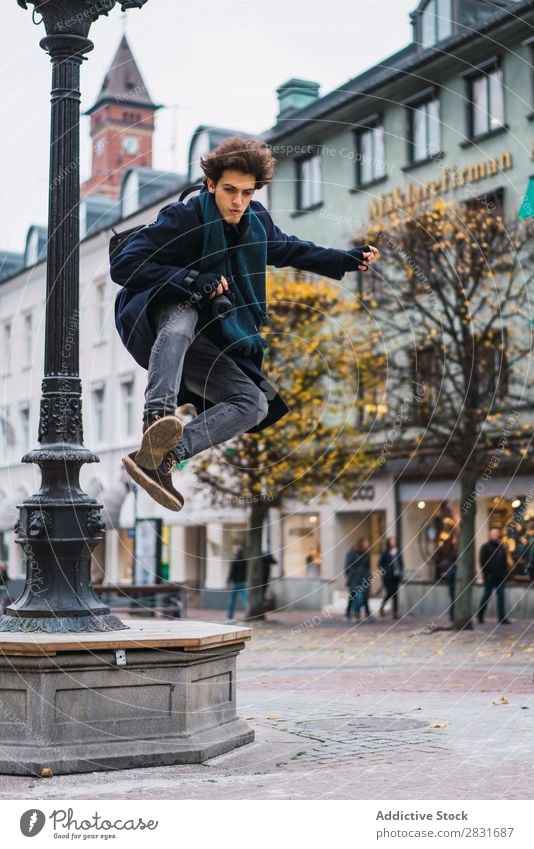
(207, 62)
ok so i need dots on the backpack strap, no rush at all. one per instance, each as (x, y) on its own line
(120, 238)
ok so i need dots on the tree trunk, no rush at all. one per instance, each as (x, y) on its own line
(465, 570)
(256, 588)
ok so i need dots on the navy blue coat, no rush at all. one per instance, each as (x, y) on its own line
(152, 267)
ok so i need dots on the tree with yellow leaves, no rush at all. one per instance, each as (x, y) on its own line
(316, 449)
(456, 330)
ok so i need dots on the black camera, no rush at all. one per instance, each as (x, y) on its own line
(223, 305)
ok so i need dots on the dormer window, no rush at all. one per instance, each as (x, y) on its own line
(435, 22)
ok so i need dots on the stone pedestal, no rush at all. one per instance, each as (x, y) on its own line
(158, 693)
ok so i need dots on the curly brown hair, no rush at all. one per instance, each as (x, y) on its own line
(250, 156)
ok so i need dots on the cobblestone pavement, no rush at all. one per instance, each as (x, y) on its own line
(403, 710)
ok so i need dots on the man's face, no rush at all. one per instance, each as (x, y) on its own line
(233, 193)
(495, 535)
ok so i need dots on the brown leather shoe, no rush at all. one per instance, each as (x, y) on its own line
(157, 482)
(160, 435)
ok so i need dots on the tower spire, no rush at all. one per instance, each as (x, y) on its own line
(122, 124)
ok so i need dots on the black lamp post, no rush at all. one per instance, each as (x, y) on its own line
(60, 525)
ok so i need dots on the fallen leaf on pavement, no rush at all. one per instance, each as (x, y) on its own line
(440, 725)
(502, 701)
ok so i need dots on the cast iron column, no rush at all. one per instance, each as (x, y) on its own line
(60, 525)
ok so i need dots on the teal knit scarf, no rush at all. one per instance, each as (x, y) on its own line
(241, 329)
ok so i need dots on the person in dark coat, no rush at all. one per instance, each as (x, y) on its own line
(237, 581)
(358, 578)
(391, 567)
(4, 592)
(196, 348)
(350, 561)
(267, 561)
(494, 565)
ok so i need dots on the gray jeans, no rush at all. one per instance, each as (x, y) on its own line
(177, 352)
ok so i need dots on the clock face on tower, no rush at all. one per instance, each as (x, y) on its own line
(130, 145)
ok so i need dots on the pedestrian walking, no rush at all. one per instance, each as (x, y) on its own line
(364, 567)
(236, 583)
(350, 560)
(267, 561)
(450, 578)
(197, 348)
(391, 566)
(494, 565)
(4, 592)
(358, 579)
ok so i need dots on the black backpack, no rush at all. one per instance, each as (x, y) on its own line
(120, 239)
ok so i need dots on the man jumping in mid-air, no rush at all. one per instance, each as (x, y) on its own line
(192, 305)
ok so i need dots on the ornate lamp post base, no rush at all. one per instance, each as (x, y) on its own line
(54, 625)
(60, 526)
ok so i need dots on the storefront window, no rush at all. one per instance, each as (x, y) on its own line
(302, 547)
(431, 531)
(515, 520)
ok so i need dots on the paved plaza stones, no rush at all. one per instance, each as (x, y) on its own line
(381, 710)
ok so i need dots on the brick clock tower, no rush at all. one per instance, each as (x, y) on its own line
(122, 125)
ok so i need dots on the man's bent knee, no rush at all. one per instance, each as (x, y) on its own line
(252, 404)
(262, 407)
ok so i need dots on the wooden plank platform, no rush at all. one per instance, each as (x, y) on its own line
(141, 634)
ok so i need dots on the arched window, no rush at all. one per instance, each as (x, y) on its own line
(435, 22)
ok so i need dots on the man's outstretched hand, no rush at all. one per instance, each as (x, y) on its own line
(365, 255)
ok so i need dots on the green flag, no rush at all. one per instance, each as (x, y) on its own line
(527, 207)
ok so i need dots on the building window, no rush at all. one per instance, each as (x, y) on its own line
(25, 427)
(101, 311)
(127, 405)
(7, 338)
(301, 534)
(370, 161)
(435, 22)
(28, 339)
(371, 404)
(6, 434)
(309, 183)
(486, 102)
(425, 129)
(490, 202)
(97, 406)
